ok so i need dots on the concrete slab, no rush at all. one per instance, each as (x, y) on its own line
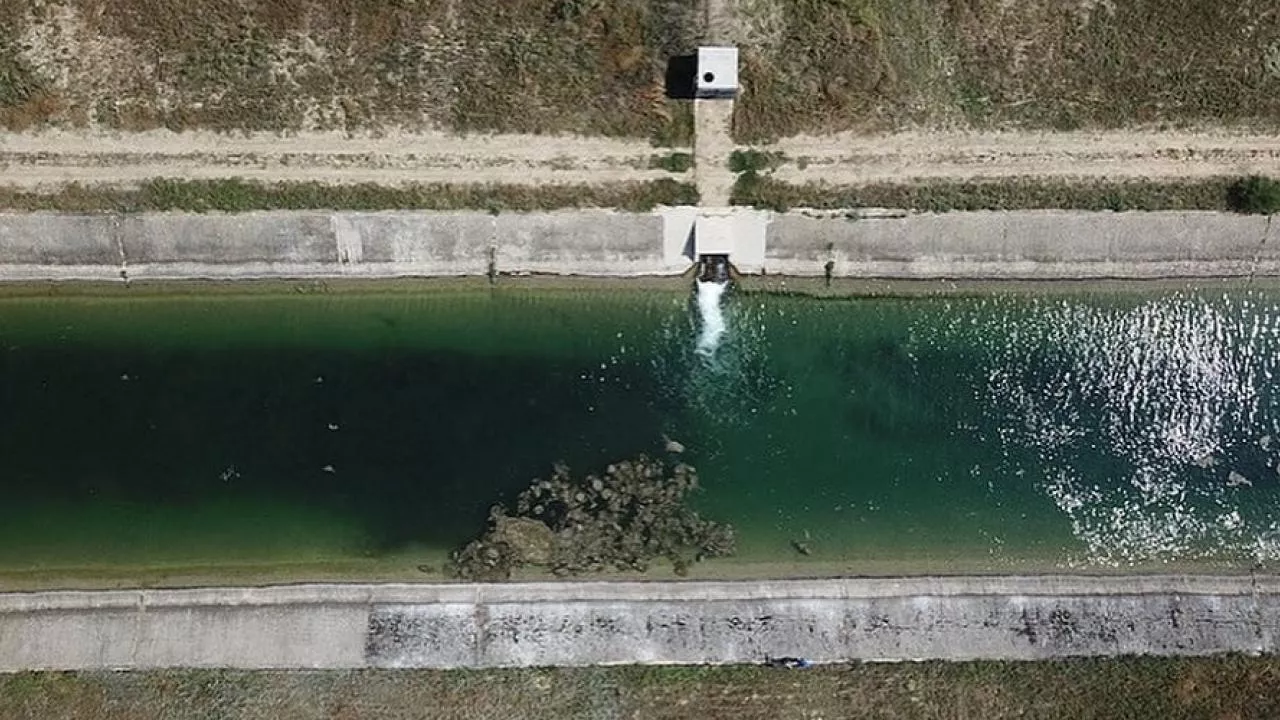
(421, 243)
(51, 240)
(589, 242)
(275, 238)
(713, 232)
(677, 237)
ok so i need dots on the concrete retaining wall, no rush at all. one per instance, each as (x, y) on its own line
(328, 244)
(345, 626)
(1033, 244)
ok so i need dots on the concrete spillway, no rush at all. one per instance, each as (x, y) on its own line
(457, 625)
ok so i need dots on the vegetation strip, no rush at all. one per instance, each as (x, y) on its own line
(1172, 688)
(235, 195)
(1245, 195)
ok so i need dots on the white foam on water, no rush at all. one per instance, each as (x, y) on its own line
(713, 328)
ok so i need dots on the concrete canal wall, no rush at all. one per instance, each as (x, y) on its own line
(1032, 244)
(347, 626)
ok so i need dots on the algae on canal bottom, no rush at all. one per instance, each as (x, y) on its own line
(340, 432)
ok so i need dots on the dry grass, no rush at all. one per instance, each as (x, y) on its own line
(1222, 194)
(1085, 689)
(23, 99)
(581, 66)
(236, 195)
(878, 65)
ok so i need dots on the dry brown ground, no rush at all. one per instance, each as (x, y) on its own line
(568, 66)
(822, 66)
(1223, 688)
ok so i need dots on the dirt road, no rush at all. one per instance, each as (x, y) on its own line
(847, 159)
(49, 160)
(46, 161)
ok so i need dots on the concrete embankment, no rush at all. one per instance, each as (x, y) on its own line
(349, 626)
(1031, 244)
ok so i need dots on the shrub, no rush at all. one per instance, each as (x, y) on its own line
(675, 162)
(1255, 195)
(746, 161)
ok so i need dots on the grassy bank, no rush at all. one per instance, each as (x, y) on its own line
(236, 195)
(1249, 195)
(1223, 687)
(829, 65)
(488, 65)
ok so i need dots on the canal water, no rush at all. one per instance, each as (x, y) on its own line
(998, 431)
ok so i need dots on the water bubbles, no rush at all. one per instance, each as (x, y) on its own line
(711, 313)
(713, 360)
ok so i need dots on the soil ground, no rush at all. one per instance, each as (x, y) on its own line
(1220, 688)
(573, 66)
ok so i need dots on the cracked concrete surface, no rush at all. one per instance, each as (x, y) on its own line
(586, 623)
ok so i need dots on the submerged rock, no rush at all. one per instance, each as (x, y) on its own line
(1235, 479)
(531, 541)
(803, 545)
(1206, 461)
(635, 513)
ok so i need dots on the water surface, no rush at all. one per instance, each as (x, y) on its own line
(1088, 431)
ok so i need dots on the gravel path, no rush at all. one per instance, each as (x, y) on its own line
(713, 146)
(852, 159)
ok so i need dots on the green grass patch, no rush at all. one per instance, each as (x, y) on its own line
(1221, 194)
(673, 162)
(1241, 688)
(235, 195)
(877, 65)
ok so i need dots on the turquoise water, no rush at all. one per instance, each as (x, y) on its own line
(1083, 431)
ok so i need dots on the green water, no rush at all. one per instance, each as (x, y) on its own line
(1084, 431)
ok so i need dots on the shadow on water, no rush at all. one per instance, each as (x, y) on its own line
(416, 445)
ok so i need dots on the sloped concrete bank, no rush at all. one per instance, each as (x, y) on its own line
(1031, 244)
(349, 626)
